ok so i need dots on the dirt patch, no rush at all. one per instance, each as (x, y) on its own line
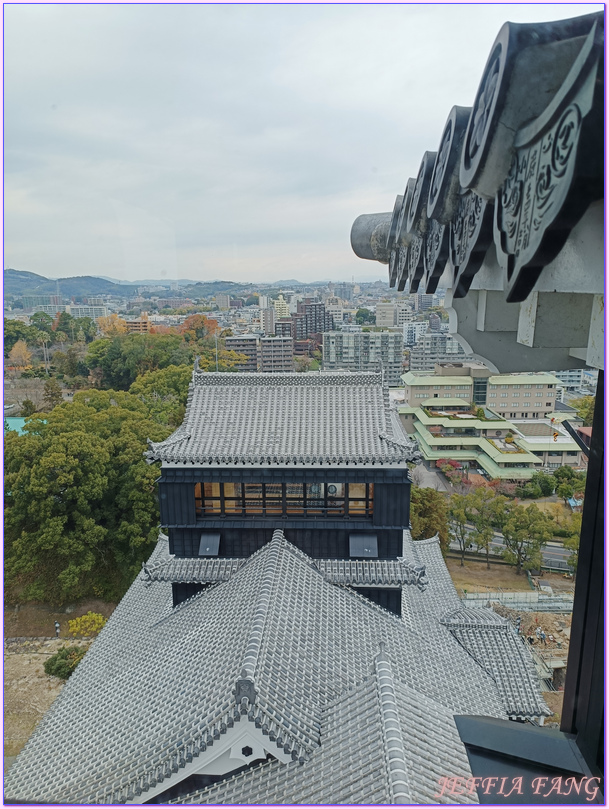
(38, 620)
(28, 691)
(557, 628)
(475, 578)
(554, 700)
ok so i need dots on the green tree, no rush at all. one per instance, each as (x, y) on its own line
(43, 339)
(28, 408)
(164, 393)
(87, 326)
(585, 408)
(63, 662)
(571, 541)
(14, 331)
(69, 362)
(483, 508)
(428, 515)
(545, 482)
(80, 506)
(458, 517)
(564, 474)
(65, 323)
(52, 395)
(61, 337)
(42, 321)
(525, 534)
(565, 491)
(364, 316)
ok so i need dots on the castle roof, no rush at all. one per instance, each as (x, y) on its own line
(279, 652)
(287, 419)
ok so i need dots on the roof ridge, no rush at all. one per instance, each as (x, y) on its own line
(262, 606)
(284, 379)
(395, 756)
(470, 617)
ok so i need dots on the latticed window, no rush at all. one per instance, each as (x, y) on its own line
(268, 499)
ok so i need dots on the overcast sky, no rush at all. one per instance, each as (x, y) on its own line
(225, 141)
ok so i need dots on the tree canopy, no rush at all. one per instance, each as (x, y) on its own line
(80, 507)
(428, 515)
(525, 533)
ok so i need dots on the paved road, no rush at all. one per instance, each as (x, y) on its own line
(554, 555)
(427, 478)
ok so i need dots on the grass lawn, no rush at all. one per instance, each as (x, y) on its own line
(475, 578)
(550, 507)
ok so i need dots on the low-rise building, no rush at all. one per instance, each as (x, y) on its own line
(139, 325)
(448, 428)
(513, 396)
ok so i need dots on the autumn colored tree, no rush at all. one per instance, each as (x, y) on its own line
(198, 327)
(87, 626)
(112, 325)
(19, 355)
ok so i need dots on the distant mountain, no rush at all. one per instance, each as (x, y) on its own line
(19, 283)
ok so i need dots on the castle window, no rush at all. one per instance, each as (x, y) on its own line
(269, 499)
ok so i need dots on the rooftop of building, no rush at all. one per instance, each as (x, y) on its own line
(353, 703)
(540, 378)
(334, 419)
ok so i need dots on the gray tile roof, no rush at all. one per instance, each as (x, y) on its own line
(281, 647)
(392, 742)
(287, 419)
(362, 573)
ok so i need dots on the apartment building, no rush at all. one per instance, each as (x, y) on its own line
(87, 311)
(276, 354)
(267, 320)
(434, 347)
(393, 314)
(223, 301)
(31, 301)
(281, 307)
(249, 346)
(365, 351)
(413, 331)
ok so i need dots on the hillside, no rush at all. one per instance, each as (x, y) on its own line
(18, 283)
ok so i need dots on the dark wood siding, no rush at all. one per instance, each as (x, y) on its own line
(319, 543)
(177, 503)
(389, 599)
(392, 504)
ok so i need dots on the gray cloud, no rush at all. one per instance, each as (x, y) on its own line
(225, 141)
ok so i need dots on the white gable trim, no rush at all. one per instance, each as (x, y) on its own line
(221, 758)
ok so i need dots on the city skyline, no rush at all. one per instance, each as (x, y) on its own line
(224, 141)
